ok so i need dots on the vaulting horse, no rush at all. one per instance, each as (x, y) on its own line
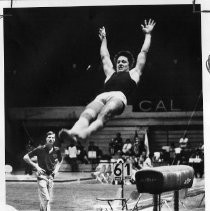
(163, 179)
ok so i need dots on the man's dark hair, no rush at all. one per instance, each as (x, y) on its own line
(128, 55)
(48, 133)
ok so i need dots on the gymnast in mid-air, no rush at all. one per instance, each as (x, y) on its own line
(121, 81)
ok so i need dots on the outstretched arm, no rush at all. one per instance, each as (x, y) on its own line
(105, 57)
(147, 28)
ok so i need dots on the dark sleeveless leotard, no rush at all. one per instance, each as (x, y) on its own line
(121, 81)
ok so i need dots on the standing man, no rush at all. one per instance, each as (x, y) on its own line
(48, 163)
(121, 81)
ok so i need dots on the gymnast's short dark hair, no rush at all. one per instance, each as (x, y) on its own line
(128, 55)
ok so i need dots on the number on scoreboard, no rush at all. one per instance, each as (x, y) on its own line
(119, 172)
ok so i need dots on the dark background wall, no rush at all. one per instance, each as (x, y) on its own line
(48, 51)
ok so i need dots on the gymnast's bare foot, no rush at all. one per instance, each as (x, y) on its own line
(65, 134)
(82, 134)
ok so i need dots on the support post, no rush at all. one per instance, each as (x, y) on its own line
(176, 200)
(155, 202)
(122, 185)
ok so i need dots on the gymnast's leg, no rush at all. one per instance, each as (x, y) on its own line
(88, 115)
(113, 107)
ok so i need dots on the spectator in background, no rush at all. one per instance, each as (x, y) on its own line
(197, 162)
(165, 156)
(156, 158)
(172, 153)
(81, 153)
(136, 147)
(142, 158)
(148, 163)
(118, 142)
(117, 155)
(184, 155)
(127, 147)
(134, 168)
(142, 147)
(71, 156)
(135, 163)
(112, 147)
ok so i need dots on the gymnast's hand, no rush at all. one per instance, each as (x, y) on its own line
(147, 28)
(102, 33)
